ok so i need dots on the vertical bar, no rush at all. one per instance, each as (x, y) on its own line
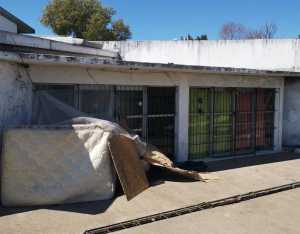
(211, 122)
(145, 113)
(115, 102)
(254, 122)
(76, 96)
(176, 125)
(233, 122)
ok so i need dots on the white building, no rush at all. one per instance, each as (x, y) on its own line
(193, 99)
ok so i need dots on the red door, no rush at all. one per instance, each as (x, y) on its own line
(244, 120)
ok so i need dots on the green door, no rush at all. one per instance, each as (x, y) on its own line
(210, 122)
(222, 121)
(199, 122)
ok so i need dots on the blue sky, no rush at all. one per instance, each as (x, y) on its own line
(169, 19)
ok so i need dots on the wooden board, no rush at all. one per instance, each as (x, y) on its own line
(128, 165)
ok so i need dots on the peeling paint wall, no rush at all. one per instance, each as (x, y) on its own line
(291, 117)
(15, 95)
(280, 54)
(80, 75)
(16, 90)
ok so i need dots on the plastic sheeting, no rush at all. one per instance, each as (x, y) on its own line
(49, 110)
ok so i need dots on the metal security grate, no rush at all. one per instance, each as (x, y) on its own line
(228, 121)
(146, 111)
(161, 118)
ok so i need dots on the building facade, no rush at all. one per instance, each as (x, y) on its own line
(194, 100)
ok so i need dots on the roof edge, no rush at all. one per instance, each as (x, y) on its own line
(93, 61)
(21, 25)
(8, 38)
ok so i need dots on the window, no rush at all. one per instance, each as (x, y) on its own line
(146, 111)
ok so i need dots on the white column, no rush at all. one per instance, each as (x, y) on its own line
(278, 120)
(182, 122)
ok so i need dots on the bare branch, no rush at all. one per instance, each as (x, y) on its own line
(237, 31)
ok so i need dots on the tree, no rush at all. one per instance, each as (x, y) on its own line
(202, 37)
(268, 30)
(86, 19)
(236, 31)
(232, 31)
(197, 38)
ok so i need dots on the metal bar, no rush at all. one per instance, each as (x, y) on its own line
(150, 116)
(194, 208)
(145, 113)
(211, 121)
(233, 117)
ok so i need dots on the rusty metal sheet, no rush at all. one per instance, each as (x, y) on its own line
(128, 165)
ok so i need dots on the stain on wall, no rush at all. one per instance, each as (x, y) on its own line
(272, 54)
(15, 96)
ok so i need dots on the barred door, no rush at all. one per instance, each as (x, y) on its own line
(148, 112)
(230, 121)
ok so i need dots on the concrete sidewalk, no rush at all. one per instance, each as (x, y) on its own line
(274, 214)
(163, 196)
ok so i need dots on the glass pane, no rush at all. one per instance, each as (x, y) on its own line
(97, 101)
(161, 100)
(265, 100)
(244, 120)
(222, 121)
(199, 123)
(161, 133)
(64, 93)
(129, 108)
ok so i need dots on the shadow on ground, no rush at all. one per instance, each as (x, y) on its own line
(239, 162)
(91, 208)
(158, 176)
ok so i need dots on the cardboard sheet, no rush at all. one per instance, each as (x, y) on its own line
(128, 165)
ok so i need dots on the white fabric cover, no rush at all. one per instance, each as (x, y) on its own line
(55, 165)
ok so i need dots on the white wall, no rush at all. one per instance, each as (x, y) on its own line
(291, 117)
(16, 91)
(7, 25)
(15, 95)
(276, 54)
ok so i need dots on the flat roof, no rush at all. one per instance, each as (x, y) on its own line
(21, 26)
(117, 64)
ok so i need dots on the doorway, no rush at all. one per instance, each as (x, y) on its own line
(230, 121)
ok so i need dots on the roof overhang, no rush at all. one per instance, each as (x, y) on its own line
(115, 64)
(21, 26)
(32, 44)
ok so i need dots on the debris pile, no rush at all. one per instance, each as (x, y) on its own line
(66, 156)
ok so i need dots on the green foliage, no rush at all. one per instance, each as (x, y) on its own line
(197, 38)
(86, 19)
